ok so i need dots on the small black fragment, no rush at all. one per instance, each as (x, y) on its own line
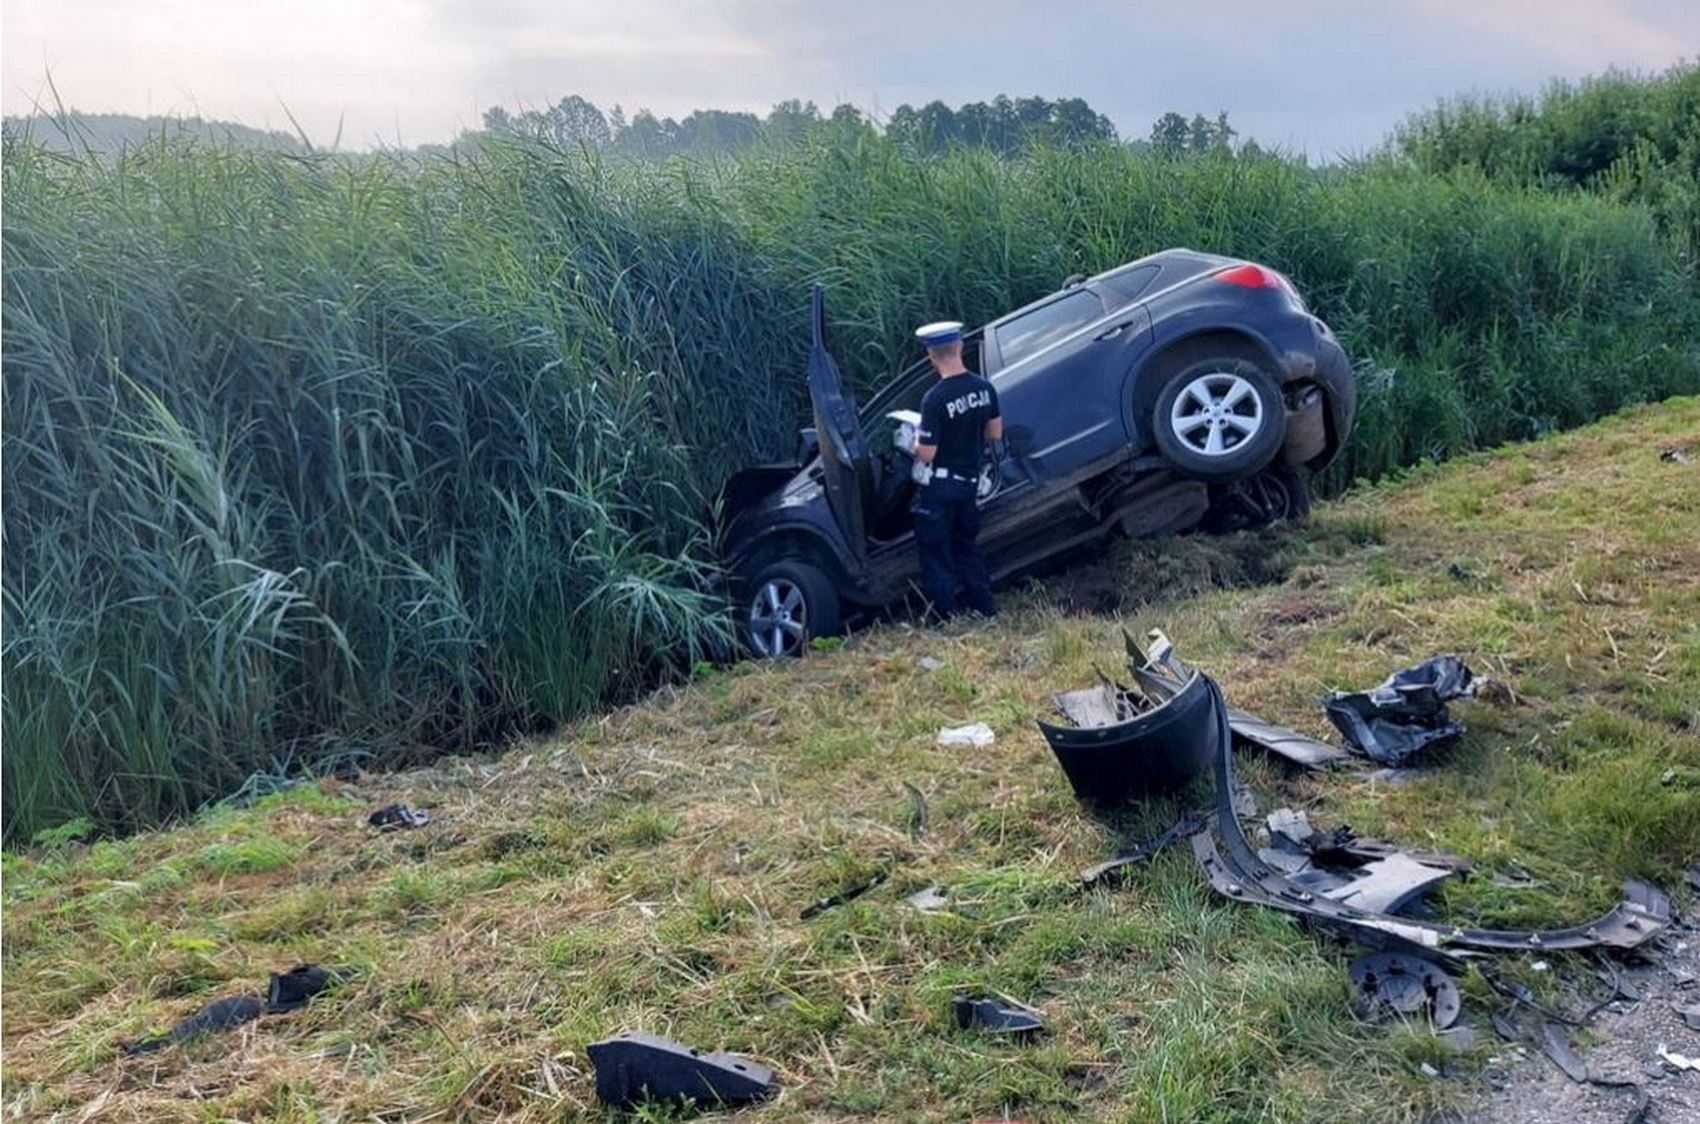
(1189, 824)
(290, 990)
(394, 817)
(221, 1014)
(849, 893)
(995, 1017)
(1555, 1044)
(635, 1066)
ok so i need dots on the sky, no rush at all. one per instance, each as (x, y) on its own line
(1328, 78)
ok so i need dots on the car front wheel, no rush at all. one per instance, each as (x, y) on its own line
(788, 604)
(1219, 419)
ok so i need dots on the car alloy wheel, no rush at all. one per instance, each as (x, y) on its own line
(1216, 413)
(779, 619)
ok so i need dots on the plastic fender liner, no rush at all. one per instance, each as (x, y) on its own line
(1236, 871)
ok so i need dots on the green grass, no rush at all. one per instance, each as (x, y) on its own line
(317, 462)
(646, 869)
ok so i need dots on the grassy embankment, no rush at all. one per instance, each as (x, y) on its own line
(315, 460)
(645, 869)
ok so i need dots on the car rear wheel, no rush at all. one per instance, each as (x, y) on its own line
(1219, 419)
(788, 604)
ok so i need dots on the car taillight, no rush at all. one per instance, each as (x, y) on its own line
(1251, 276)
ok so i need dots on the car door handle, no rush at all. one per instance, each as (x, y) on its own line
(1112, 333)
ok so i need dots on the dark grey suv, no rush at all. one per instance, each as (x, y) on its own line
(1177, 390)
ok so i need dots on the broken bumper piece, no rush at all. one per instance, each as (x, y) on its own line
(1159, 750)
(635, 1066)
(1235, 870)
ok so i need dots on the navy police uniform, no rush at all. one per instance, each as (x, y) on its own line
(954, 414)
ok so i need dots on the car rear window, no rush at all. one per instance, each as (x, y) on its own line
(1130, 284)
(1027, 333)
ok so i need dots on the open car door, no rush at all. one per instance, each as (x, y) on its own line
(845, 464)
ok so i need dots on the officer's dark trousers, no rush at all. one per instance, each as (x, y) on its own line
(947, 523)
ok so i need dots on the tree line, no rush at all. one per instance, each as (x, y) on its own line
(1002, 124)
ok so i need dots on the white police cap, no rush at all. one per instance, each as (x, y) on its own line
(939, 333)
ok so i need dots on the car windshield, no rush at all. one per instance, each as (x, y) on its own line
(1022, 336)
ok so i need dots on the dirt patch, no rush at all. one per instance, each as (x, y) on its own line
(1127, 575)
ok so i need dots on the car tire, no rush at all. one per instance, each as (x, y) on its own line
(1276, 495)
(787, 604)
(1219, 419)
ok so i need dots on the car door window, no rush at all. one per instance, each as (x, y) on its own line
(1127, 285)
(1027, 333)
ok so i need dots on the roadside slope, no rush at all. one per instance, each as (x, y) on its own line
(646, 869)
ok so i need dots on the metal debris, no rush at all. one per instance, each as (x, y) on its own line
(994, 1017)
(1398, 985)
(634, 1066)
(1405, 712)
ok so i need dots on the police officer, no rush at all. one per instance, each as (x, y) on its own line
(959, 415)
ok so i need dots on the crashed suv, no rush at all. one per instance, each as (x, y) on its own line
(1179, 390)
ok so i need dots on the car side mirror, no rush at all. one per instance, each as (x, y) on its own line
(808, 444)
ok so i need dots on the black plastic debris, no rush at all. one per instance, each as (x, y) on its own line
(287, 991)
(1396, 985)
(1555, 1044)
(1156, 750)
(397, 817)
(634, 1066)
(1405, 712)
(219, 1015)
(996, 1017)
(1189, 823)
(849, 893)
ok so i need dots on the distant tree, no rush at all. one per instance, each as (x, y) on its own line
(717, 130)
(790, 121)
(1170, 134)
(937, 126)
(577, 121)
(649, 136)
(1073, 122)
(497, 120)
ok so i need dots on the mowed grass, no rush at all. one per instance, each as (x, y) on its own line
(646, 870)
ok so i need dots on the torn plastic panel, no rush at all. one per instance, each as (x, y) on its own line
(1404, 712)
(1160, 672)
(1236, 871)
(633, 1066)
